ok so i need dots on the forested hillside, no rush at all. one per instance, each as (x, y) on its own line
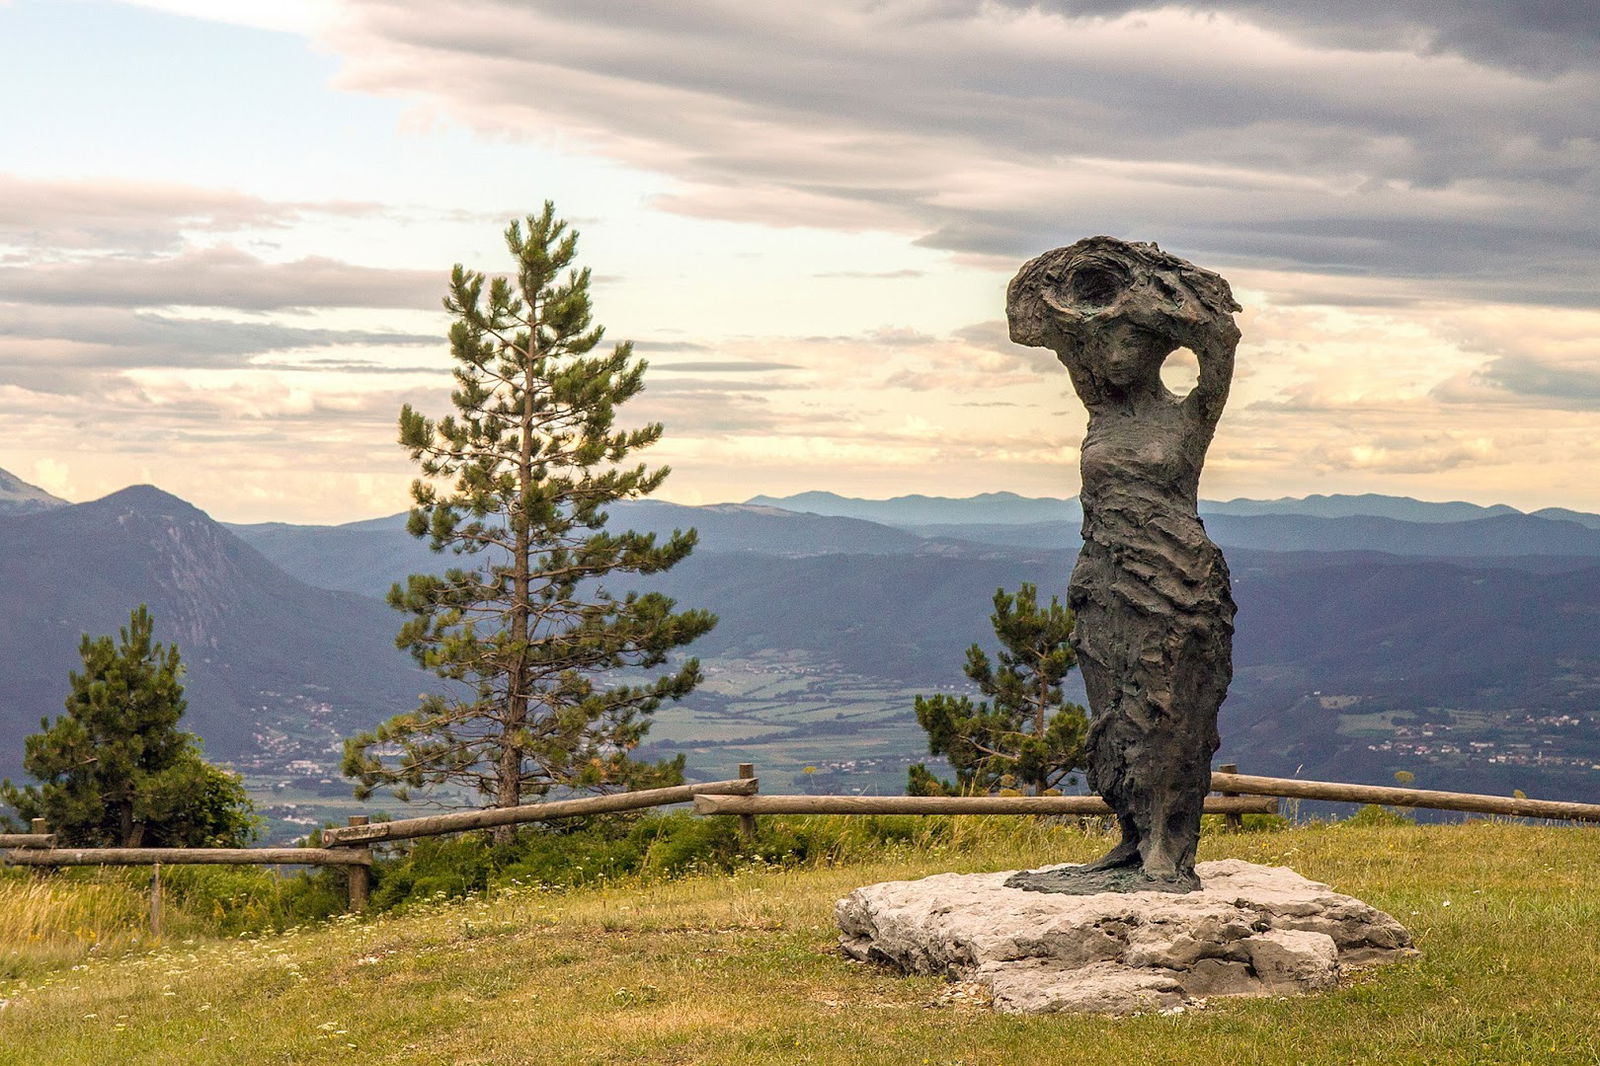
(1470, 670)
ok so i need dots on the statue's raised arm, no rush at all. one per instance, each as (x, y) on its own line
(1154, 631)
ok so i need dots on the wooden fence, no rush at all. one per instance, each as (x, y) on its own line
(1089, 805)
(350, 846)
(190, 857)
(461, 821)
(1339, 792)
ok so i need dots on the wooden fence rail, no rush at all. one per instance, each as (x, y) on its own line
(27, 840)
(188, 856)
(1339, 792)
(407, 828)
(753, 805)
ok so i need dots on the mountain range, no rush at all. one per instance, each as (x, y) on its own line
(371, 555)
(19, 497)
(1477, 630)
(1008, 508)
(265, 653)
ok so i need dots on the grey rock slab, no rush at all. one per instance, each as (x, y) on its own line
(1248, 930)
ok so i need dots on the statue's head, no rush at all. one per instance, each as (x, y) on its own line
(1118, 308)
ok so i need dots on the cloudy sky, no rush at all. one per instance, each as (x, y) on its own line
(225, 229)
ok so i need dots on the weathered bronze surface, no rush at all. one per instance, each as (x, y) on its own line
(1154, 632)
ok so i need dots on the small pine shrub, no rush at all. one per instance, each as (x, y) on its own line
(1375, 815)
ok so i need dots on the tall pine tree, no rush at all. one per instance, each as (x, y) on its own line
(1025, 735)
(517, 481)
(116, 770)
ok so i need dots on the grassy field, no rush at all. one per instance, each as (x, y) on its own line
(742, 969)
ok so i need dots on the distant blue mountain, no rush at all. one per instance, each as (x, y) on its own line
(1562, 514)
(262, 650)
(370, 555)
(1370, 505)
(1501, 536)
(1002, 508)
(927, 514)
(19, 497)
(982, 517)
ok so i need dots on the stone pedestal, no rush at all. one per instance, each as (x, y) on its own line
(1250, 930)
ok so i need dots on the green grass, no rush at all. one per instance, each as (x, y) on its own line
(742, 969)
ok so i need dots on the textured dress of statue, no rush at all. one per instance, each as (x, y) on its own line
(1154, 632)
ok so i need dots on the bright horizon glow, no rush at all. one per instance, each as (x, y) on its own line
(222, 251)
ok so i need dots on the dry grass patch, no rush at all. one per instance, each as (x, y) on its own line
(47, 923)
(742, 969)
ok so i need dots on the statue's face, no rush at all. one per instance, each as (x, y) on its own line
(1124, 353)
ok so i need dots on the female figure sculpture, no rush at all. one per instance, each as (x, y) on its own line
(1154, 631)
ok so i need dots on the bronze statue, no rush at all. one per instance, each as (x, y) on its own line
(1154, 632)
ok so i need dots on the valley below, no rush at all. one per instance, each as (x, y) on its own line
(1467, 671)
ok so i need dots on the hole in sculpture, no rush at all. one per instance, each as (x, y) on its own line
(1094, 286)
(1180, 372)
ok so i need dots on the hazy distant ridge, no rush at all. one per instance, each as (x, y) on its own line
(1007, 508)
(988, 507)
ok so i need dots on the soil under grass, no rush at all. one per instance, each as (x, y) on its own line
(742, 969)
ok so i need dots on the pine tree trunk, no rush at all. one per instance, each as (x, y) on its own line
(125, 822)
(510, 770)
(1038, 717)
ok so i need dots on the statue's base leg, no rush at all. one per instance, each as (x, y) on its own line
(1250, 931)
(1091, 880)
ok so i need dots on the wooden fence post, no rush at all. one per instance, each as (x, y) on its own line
(39, 827)
(1235, 822)
(747, 822)
(359, 876)
(155, 901)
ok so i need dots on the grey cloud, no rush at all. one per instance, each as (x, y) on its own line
(352, 366)
(993, 334)
(723, 366)
(696, 415)
(901, 337)
(1356, 158)
(1333, 296)
(889, 336)
(52, 379)
(670, 346)
(1523, 378)
(714, 386)
(131, 215)
(114, 338)
(220, 277)
(1533, 35)
(871, 275)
